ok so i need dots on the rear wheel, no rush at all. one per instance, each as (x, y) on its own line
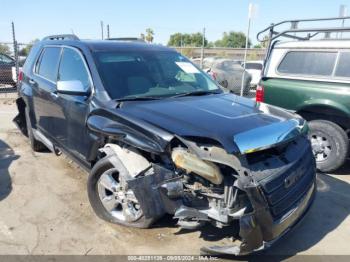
(329, 144)
(36, 145)
(111, 199)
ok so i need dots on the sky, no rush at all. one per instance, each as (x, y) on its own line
(34, 19)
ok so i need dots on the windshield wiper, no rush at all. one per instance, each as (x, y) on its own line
(198, 93)
(134, 98)
(137, 98)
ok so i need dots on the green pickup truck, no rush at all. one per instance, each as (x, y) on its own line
(311, 77)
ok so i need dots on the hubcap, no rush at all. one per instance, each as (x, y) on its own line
(119, 201)
(321, 147)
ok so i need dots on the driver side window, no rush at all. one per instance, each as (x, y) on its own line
(72, 67)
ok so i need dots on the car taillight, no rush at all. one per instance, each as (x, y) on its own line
(259, 95)
(20, 75)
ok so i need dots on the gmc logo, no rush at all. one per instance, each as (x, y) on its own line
(292, 179)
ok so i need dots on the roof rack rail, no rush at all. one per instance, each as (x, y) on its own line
(126, 39)
(61, 37)
(273, 34)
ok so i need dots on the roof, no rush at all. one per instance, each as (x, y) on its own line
(329, 44)
(110, 45)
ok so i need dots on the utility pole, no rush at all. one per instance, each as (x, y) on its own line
(15, 50)
(203, 44)
(102, 30)
(108, 31)
(250, 14)
(343, 10)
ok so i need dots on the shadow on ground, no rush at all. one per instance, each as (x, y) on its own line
(344, 170)
(7, 155)
(330, 209)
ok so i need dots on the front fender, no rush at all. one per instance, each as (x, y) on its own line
(129, 130)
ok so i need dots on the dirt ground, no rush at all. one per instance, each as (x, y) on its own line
(45, 210)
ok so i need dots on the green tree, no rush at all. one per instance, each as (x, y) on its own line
(191, 40)
(149, 35)
(25, 50)
(176, 39)
(5, 49)
(232, 39)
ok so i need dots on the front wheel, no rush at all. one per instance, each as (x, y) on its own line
(329, 144)
(111, 199)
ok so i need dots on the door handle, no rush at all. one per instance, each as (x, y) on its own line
(32, 82)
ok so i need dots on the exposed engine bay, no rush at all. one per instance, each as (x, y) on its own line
(202, 184)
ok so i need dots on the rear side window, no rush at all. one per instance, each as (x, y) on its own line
(72, 67)
(343, 69)
(48, 63)
(308, 63)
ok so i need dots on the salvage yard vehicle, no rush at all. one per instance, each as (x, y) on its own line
(254, 68)
(159, 136)
(311, 76)
(228, 73)
(6, 70)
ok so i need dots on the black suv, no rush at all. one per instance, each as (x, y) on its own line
(159, 136)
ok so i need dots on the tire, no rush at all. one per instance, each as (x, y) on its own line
(100, 168)
(330, 144)
(36, 145)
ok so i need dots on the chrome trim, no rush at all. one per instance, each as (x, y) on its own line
(273, 134)
(74, 86)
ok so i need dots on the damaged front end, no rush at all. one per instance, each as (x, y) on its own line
(257, 194)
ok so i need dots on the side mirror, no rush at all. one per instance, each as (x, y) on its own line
(72, 87)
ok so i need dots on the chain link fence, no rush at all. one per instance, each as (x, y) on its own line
(225, 65)
(8, 75)
(12, 58)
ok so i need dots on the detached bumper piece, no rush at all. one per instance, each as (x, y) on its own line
(281, 198)
(253, 234)
(280, 189)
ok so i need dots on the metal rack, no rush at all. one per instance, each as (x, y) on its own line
(294, 31)
(273, 32)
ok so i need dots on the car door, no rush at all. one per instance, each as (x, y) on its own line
(74, 137)
(48, 114)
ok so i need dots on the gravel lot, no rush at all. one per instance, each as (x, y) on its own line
(44, 210)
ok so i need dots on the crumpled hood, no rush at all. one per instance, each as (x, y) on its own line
(220, 117)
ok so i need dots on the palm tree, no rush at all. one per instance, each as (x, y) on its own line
(149, 35)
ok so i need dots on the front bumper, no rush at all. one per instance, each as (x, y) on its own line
(254, 234)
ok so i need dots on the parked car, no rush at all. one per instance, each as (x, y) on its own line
(312, 78)
(6, 71)
(254, 68)
(158, 136)
(228, 73)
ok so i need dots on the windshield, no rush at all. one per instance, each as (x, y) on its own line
(150, 74)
